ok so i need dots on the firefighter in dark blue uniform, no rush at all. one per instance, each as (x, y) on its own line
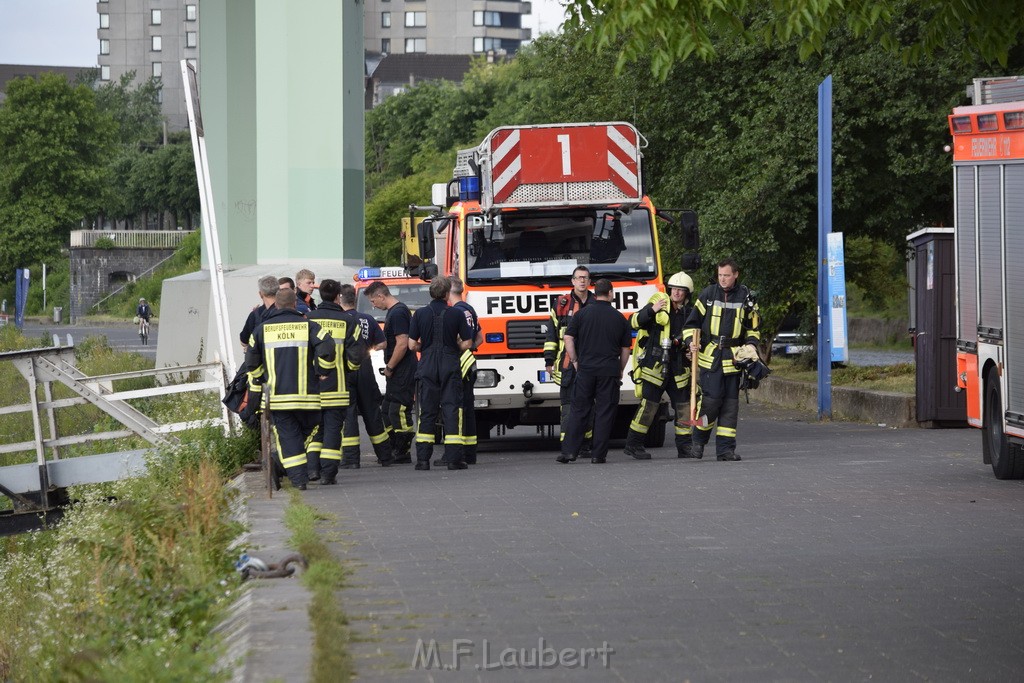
(324, 452)
(365, 394)
(660, 365)
(440, 333)
(467, 369)
(291, 354)
(727, 317)
(399, 370)
(597, 343)
(556, 362)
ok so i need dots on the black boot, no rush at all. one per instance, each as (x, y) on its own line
(697, 450)
(635, 446)
(729, 456)
(684, 446)
(400, 444)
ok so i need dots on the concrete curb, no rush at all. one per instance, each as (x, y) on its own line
(857, 405)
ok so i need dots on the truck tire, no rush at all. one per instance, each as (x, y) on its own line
(656, 434)
(1007, 459)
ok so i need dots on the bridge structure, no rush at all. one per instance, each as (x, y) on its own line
(103, 262)
(281, 91)
(35, 473)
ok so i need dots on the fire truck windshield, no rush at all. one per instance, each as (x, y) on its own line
(415, 295)
(547, 245)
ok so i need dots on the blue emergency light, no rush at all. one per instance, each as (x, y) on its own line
(494, 337)
(369, 273)
(469, 188)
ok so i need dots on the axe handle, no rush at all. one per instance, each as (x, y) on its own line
(693, 377)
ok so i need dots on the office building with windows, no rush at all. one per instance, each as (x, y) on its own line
(150, 37)
(444, 27)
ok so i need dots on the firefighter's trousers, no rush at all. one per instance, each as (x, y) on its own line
(439, 390)
(293, 432)
(467, 422)
(397, 408)
(647, 410)
(565, 408)
(720, 402)
(595, 401)
(365, 397)
(324, 452)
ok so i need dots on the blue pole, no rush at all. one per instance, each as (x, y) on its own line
(824, 228)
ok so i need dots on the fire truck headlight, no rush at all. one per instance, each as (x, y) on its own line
(485, 379)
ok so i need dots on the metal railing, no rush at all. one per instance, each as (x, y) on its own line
(130, 239)
(29, 485)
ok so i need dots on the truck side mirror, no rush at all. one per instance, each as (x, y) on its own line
(690, 229)
(425, 236)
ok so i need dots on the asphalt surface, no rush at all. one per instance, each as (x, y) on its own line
(123, 337)
(833, 551)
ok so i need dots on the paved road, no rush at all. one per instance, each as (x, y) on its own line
(123, 337)
(835, 551)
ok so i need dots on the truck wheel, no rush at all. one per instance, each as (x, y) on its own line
(1007, 460)
(656, 434)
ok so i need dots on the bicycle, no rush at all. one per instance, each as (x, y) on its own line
(144, 331)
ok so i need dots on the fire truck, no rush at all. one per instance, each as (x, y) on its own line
(525, 208)
(988, 167)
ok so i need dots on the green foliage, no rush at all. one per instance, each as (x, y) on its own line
(104, 243)
(54, 146)
(136, 110)
(663, 33)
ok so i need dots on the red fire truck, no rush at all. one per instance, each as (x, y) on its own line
(524, 209)
(988, 163)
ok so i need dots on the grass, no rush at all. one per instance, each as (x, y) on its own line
(900, 378)
(324, 578)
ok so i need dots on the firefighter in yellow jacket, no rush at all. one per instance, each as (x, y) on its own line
(727, 316)
(291, 355)
(324, 452)
(660, 365)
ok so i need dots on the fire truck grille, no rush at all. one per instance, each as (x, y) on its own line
(539, 193)
(526, 334)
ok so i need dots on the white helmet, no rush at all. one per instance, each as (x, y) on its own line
(681, 279)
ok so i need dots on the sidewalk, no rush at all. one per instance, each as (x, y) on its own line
(834, 551)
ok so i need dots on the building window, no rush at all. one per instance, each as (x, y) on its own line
(104, 70)
(415, 19)
(160, 96)
(104, 21)
(191, 13)
(385, 19)
(158, 69)
(155, 17)
(157, 44)
(486, 18)
(415, 45)
(104, 47)
(385, 45)
(485, 44)
(191, 39)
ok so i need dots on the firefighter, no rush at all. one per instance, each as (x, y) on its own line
(597, 343)
(727, 316)
(324, 452)
(660, 365)
(291, 354)
(467, 369)
(364, 392)
(399, 370)
(556, 362)
(440, 333)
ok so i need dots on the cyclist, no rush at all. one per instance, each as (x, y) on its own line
(143, 312)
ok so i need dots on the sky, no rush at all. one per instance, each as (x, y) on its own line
(63, 32)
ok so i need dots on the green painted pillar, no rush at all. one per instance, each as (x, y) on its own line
(282, 97)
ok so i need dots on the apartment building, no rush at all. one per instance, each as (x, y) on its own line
(444, 27)
(150, 37)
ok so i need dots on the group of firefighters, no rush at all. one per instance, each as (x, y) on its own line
(317, 366)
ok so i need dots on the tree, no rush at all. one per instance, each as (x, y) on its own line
(665, 32)
(136, 110)
(54, 146)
